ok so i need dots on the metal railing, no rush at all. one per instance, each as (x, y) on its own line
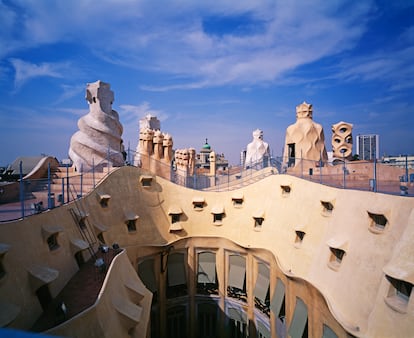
(26, 197)
(36, 195)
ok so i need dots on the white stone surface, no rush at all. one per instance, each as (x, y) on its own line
(99, 136)
(258, 151)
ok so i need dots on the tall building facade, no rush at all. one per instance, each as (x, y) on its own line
(367, 147)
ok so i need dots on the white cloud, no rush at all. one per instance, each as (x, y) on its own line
(25, 71)
(133, 113)
(395, 67)
(69, 91)
(261, 41)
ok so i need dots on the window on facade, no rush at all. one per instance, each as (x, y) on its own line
(261, 289)
(2, 269)
(238, 323)
(147, 276)
(52, 242)
(328, 332)
(378, 222)
(176, 322)
(263, 331)
(299, 324)
(176, 276)
(207, 282)
(277, 305)
(207, 320)
(399, 294)
(236, 287)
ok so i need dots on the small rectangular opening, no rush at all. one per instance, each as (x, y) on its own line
(258, 222)
(327, 206)
(175, 218)
(285, 189)
(198, 205)
(378, 222)
(336, 257)
(131, 225)
(299, 236)
(237, 201)
(104, 202)
(52, 242)
(398, 294)
(217, 218)
(402, 288)
(146, 181)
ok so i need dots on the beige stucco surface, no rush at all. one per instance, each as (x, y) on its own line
(354, 292)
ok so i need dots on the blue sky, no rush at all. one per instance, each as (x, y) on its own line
(215, 70)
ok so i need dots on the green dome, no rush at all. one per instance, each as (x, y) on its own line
(206, 145)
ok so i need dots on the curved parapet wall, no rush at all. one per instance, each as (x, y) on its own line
(99, 136)
(122, 307)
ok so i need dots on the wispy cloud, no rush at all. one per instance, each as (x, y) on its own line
(133, 113)
(394, 68)
(142, 34)
(69, 91)
(25, 71)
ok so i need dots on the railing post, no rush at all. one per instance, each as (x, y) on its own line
(63, 191)
(301, 164)
(21, 188)
(67, 183)
(93, 172)
(49, 198)
(320, 167)
(406, 168)
(375, 175)
(344, 168)
(81, 181)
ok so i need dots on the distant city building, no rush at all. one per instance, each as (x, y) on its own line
(401, 161)
(243, 157)
(203, 159)
(367, 147)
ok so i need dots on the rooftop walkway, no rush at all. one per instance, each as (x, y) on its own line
(80, 293)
